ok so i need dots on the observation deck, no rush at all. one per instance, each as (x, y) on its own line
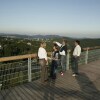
(20, 79)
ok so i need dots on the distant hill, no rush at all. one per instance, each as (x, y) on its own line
(46, 36)
(39, 36)
(29, 36)
(13, 35)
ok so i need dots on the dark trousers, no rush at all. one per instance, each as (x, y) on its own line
(44, 71)
(63, 62)
(54, 66)
(75, 64)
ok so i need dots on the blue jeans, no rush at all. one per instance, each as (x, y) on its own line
(54, 66)
(75, 64)
(63, 62)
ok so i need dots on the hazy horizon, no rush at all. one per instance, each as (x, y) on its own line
(63, 35)
(70, 18)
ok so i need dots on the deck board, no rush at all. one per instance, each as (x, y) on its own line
(86, 86)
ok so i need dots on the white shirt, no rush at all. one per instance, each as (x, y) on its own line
(77, 51)
(63, 52)
(42, 54)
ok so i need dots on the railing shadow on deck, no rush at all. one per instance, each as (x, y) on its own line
(12, 74)
(87, 87)
(51, 84)
(88, 91)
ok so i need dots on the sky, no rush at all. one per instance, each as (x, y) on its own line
(74, 18)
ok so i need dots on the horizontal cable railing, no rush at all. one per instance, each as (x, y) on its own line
(93, 55)
(15, 73)
(26, 67)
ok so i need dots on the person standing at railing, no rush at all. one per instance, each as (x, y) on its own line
(42, 54)
(75, 58)
(63, 53)
(55, 61)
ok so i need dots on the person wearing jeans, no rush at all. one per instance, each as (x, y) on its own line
(75, 58)
(63, 54)
(55, 61)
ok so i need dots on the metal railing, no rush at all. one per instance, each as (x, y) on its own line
(88, 55)
(25, 68)
(0, 86)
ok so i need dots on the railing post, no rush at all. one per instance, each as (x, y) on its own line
(0, 86)
(86, 56)
(29, 69)
(67, 62)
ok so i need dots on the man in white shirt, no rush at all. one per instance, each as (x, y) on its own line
(76, 55)
(63, 53)
(42, 54)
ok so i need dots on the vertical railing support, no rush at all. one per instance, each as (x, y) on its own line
(0, 86)
(29, 70)
(67, 62)
(86, 56)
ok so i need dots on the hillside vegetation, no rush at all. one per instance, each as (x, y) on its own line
(20, 46)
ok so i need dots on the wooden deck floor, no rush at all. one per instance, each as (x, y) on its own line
(86, 86)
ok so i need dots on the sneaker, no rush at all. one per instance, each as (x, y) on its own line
(62, 73)
(74, 75)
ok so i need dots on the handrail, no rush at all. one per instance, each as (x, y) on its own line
(17, 57)
(91, 48)
(11, 58)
